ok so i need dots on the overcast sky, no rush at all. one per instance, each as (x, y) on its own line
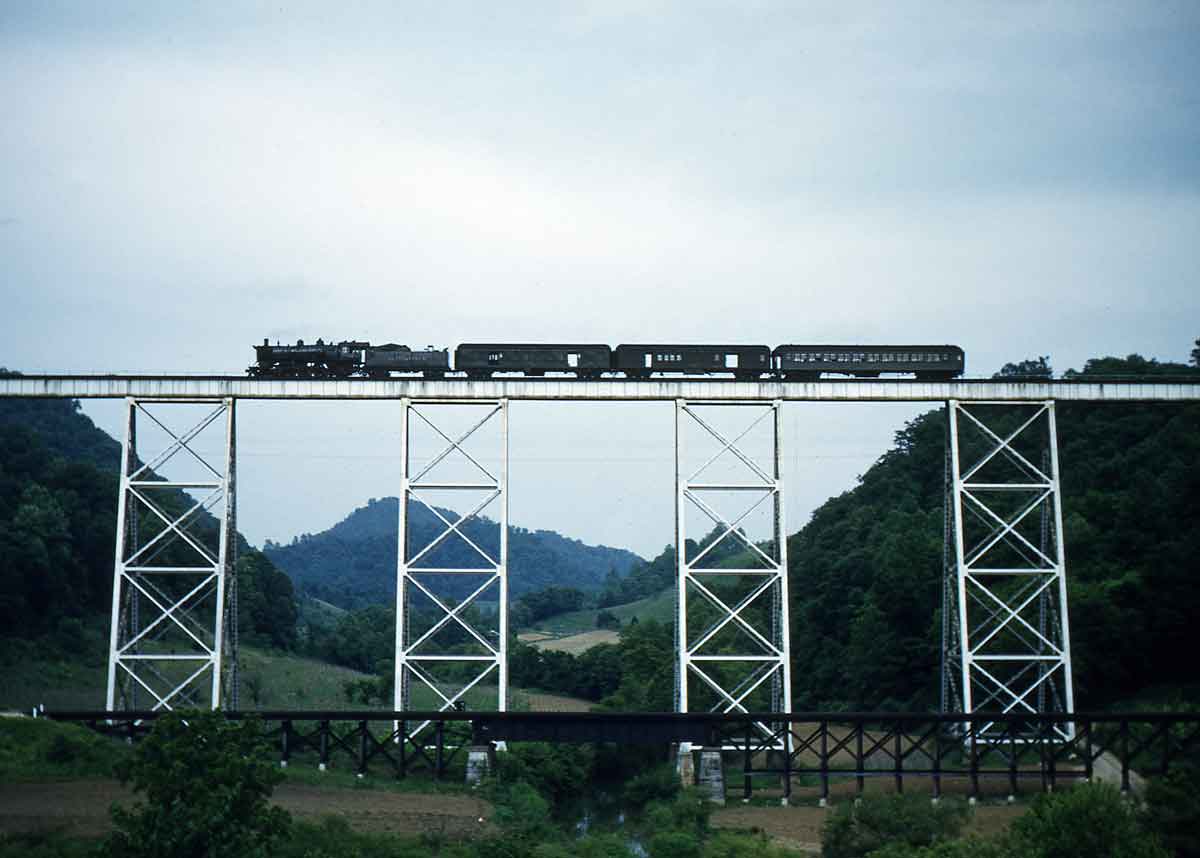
(178, 182)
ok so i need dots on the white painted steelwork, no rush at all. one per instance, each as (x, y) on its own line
(761, 653)
(417, 652)
(608, 389)
(173, 624)
(1005, 618)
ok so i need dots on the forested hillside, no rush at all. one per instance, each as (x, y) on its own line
(865, 571)
(353, 564)
(58, 496)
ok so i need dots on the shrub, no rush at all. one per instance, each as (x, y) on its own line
(561, 772)
(1085, 821)
(854, 830)
(206, 782)
(1173, 811)
(970, 847)
(675, 844)
(660, 783)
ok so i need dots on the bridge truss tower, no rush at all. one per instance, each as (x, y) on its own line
(173, 639)
(732, 639)
(1005, 632)
(452, 568)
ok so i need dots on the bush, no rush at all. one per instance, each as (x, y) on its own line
(854, 830)
(1085, 821)
(560, 772)
(1173, 811)
(689, 812)
(659, 784)
(675, 844)
(970, 847)
(207, 782)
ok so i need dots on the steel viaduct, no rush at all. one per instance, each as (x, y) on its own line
(1006, 637)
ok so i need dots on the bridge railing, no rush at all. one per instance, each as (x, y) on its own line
(843, 753)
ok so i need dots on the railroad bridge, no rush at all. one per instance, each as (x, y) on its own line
(1006, 638)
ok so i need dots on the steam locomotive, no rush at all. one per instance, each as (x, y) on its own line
(354, 359)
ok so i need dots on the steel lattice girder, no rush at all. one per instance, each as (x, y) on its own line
(183, 649)
(763, 655)
(1004, 583)
(419, 653)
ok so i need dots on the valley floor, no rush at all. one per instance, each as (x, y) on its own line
(80, 808)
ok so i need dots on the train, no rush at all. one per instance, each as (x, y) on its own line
(356, 359)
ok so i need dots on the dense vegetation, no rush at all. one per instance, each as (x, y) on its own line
(865, 571)
(58, 495)
(353, 564)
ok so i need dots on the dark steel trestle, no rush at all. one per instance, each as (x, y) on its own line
(974, 754)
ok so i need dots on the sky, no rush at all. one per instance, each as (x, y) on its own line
(178, 182)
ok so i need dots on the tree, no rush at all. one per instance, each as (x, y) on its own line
(1090, 819)
(206, 783)
(1196, 353)
(1032, 368)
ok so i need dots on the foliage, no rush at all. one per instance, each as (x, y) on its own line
(856, 829)
(206, 783)
(606, 619)
(1173, 810)
(592, 675)
(865, 572)
(675, 844)
(647, 659)
(557, 770)
(660, 783)
(1033, 368)
(1085, 821)
(524, 816)
(539, 604)
(58, 510)
(688, 811)
(267, 609)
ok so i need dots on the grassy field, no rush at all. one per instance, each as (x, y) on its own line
(660, 606)
(270, 680)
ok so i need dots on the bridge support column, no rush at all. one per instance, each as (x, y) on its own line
(448, 563)
(1006, 637)
(732, 640)
(173, 638)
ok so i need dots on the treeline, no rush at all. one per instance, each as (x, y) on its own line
(865, 572)
(635, 674)
(58, 510)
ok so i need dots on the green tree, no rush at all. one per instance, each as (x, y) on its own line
(206, 783)
(1196, 353)
(855, 830)
(1082, 822)
(1038, 367)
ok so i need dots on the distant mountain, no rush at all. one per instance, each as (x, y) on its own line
(354, 562)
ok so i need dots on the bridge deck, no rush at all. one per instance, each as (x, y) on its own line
(609, 389)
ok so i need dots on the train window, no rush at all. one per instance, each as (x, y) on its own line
(731, 361)
(649, 361)
(572, 359)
